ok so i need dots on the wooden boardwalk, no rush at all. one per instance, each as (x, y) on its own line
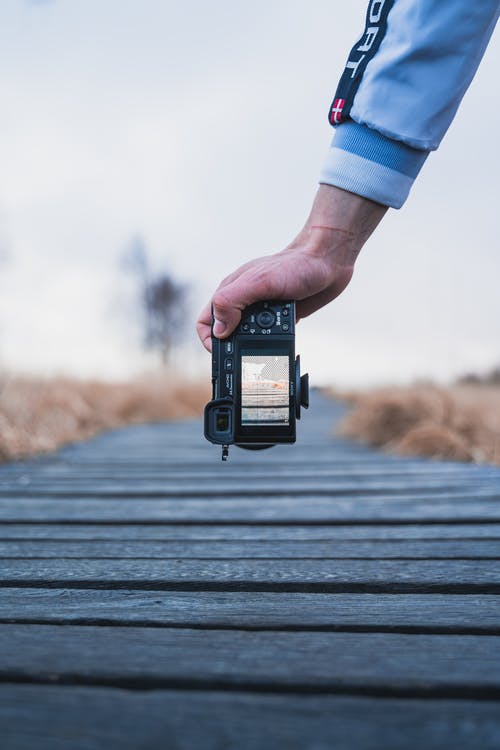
(316, 596)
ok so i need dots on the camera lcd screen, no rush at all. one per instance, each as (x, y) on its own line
(265, 390)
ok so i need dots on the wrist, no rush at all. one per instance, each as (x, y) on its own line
(339, 225)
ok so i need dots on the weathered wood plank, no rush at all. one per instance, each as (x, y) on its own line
(329, 576)
(304, 509)
(47, 472)
(387, 663)
(323, 454)
(239, 490)
(263, 610)
(222, 486)
(270, 549)
(56, 718)
(227, 532)
(137, 477)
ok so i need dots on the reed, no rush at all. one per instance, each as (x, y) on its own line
(460, 422)
(38, 415)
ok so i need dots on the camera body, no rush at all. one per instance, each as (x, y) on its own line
(257, 388)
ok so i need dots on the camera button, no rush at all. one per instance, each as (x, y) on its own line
(228, 364)
(285, 327)
(245, 327)
(228, 346)
(285, 312)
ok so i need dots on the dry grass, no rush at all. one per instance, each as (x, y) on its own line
(461, 422)
(39, 415)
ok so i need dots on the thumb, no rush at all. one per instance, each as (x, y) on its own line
(258, 281)
(227, 309)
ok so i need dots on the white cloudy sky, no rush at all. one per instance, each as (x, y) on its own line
(201, 127)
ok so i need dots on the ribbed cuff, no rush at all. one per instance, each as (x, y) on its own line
(363, 161)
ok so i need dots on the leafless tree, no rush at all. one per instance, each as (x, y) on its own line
(162, 301)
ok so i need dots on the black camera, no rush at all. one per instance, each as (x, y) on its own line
(257, 388)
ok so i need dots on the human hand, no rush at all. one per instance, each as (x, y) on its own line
(314, 269)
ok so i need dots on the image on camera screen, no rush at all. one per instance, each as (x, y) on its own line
(265, 390)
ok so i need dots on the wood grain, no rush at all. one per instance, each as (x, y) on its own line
(472, 614)
(286, 509)
(83, 718)
(454, 576)
(340, 549)
(395, 664)
(155, 532)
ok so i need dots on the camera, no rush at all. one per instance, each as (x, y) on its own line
(257, 388)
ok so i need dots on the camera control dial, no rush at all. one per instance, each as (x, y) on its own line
(265, 319)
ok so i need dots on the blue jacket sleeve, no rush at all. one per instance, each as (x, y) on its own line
(401, 87)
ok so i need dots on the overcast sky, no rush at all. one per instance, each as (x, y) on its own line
(201, 127)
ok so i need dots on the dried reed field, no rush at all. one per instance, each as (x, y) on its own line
(459, 422)
(38, 415)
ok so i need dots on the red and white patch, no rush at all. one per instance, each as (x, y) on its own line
(336, 111)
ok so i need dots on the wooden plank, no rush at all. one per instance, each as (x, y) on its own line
(257, 488)
(377, 663)
(247, 610)
(136, 475)
(45, 474)
(328, 576)
(95, 455)
(372, 465)
(270, 549)
(82, 718)
(308, 510)
(227, 532)
(293, 484)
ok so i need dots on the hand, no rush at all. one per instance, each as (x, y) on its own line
(294, 273)
(314, 269)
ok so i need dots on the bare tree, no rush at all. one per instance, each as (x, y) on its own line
(162, 301)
